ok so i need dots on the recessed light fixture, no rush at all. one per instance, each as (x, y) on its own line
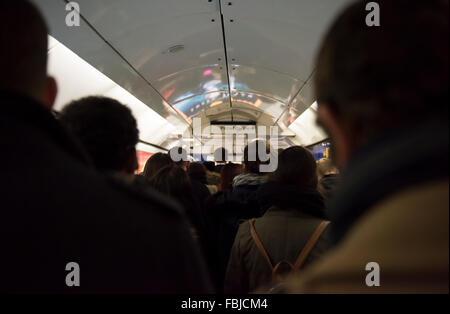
(175, 49)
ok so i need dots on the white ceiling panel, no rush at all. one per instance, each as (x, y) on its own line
(89, 46)
(192, 82)
(173, 44)
(170, 54)
(272, 45)
(282, 35)
(306, 129)
(143, 31)
(84, 80)
(264, 81)
(301, 102)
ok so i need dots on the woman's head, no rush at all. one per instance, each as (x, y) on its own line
(155, 163)
(174, 182)
(197, 171)
(227, 174)
(296, 166)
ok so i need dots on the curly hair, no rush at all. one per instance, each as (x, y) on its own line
(105, 127)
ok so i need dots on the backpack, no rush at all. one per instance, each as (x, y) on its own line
(284, 268)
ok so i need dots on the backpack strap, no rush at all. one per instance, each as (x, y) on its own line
(310, 245)
(258, 243)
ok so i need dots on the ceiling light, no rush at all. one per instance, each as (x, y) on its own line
(175, 49)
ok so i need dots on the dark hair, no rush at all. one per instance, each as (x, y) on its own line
(174, 182)
(105, 127)
(197, 171)
(155, 163)
(227, 174)
(252, 158)
(210, 166)
(296, 166)
(374, 78)
(23, 55)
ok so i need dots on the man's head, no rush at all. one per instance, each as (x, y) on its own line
(296, 166)
(254, 156)
(23, 54)
(325, 166)
(210, 166)
(372, 79)
(228, 172)
(174, 182)
(108, 131)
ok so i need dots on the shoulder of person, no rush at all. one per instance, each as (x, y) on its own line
(243, 229)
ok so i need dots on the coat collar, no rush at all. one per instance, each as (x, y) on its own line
(385, 166)
(274, 196)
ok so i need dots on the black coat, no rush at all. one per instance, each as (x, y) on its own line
(200, 194)
(56, 210)
(225, 211)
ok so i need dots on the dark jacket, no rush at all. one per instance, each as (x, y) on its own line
(196, 214)
(225, 210)
(56, 210)
(201, 194)
(388, 163)
(284, 229)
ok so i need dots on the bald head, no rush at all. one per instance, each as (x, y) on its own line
(23, 54)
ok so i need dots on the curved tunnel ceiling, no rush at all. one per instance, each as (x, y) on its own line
(220, 60)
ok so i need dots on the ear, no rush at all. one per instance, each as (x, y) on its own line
(342, 141)
(49, 93)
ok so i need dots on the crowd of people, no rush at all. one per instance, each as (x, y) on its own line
(70, 192)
